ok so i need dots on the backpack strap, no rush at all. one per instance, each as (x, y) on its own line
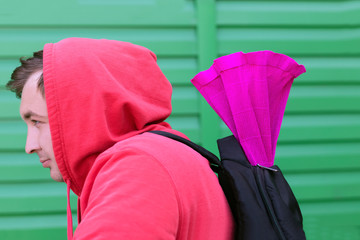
(215, 163)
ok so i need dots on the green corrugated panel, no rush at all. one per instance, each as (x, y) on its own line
(9, 105)
(323, 13)
(6, 67)
(178, 70)
(318, 157)
(50, 226)
(99, 13)
(30, 198)
(324, 99)
(319, 143)
(179, 41)
(20, 167)
(292, 41)
(332, 220)
(342, 70)
(33, 227)
(12, 135)
(32, 206)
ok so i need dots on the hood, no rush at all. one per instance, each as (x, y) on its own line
(99, 92)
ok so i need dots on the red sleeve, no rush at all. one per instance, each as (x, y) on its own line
(132, 197)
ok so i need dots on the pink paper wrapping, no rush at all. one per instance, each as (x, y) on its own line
(249, 92)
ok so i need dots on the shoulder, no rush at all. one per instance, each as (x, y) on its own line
(156, 148)
(143, 154)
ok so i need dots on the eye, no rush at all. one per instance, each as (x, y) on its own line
(36, 123)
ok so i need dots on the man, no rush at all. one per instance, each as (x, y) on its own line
(89, 106)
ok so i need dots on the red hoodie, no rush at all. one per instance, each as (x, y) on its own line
(101, 95)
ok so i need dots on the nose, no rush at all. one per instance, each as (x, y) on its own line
(32, 143)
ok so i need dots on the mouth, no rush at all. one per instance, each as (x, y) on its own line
(45, 163)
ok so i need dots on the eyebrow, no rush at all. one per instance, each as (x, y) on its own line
(30, 114)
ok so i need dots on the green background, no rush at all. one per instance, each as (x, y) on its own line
(319, 144)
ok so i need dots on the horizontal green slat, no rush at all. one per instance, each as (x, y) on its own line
(325, 186)
(130, 13)
(184, 101)
(33, 227)
(329, 157)
(6, 68)
(317, 99)
(288, 13)
(304, 42)
(163, 41)
(19, 166)
(178, 71)
(34, 198)
(316, 128)
(332, 220)
(21, 223)
(188, 125)
(329, 70)
(9, 105)
(54, 233)
(12, 135)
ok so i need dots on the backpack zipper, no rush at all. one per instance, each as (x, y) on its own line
(267, 204)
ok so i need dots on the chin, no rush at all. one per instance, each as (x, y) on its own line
(57, 177)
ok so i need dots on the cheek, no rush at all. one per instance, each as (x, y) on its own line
(45, 140)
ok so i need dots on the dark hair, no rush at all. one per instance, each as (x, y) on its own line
(22, 73)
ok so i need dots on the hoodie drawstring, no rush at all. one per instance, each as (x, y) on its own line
(69, 214)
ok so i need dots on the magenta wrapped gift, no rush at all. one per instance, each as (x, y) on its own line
(249, 92)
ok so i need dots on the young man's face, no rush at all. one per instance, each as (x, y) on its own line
(34, 112)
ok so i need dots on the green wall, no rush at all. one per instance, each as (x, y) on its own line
(319, 144)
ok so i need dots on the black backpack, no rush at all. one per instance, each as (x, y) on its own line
(261, 200)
